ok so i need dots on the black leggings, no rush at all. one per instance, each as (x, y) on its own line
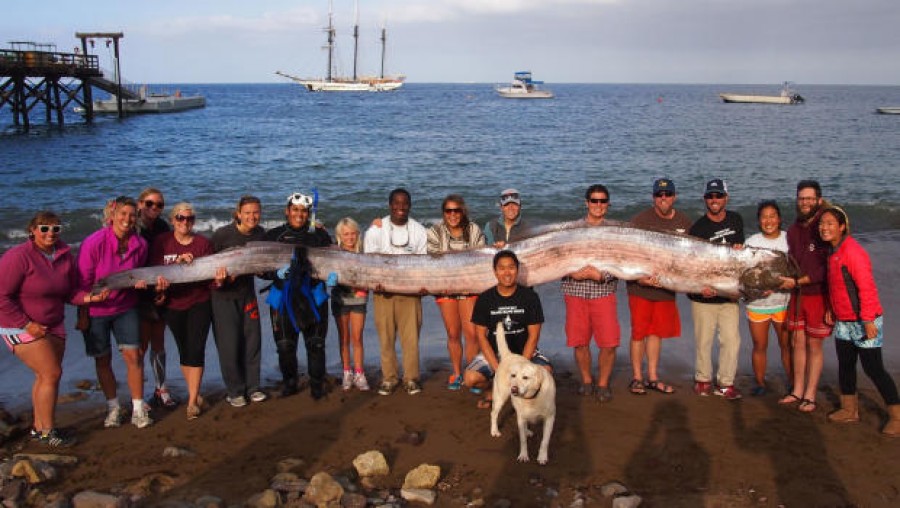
(873, 366)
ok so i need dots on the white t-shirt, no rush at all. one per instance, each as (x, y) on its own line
(410, 238)
(778, 300)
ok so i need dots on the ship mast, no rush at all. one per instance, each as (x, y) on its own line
(383, 45)
(355, 39)
(330, 46)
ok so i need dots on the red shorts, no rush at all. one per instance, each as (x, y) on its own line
(591, 316)
(653, 318)
(810, 317)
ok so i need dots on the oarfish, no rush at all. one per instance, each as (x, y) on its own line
(682, 263)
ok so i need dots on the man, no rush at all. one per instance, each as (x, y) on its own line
(806, 310)
(654, 314)
(509, 226)
(710, 311)
(590, 297)
(520, 311)
(398, 314)
(309, 318)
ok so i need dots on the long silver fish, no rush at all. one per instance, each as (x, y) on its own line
(682, 263)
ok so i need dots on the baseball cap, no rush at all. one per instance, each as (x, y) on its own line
(663, 184)
(715, 185)
(510, 196)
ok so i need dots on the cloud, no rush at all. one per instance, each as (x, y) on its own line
(265, 23)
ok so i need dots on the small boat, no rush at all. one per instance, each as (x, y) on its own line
(149, 102)
(523, 87)
(332, 83)
(787, 96)
(890, 110)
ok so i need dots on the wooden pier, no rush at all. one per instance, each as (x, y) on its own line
(33, 77)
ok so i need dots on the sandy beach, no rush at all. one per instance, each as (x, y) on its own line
(672, 450)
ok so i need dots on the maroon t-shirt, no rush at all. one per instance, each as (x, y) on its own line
(164, 251)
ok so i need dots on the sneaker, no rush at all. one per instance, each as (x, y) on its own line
(347, 383)
(193, 412)
(56, 439)
(258, 396)
(162, 398)
(386, 388)
(360, 382)
(702, 388)
(141, 420)
(758, 391)
(412, 387)
(455, 382)
(239, 401)
(729, 392)
(604, 394)
(113, 418)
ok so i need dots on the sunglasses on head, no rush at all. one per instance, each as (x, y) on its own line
(715, 195)
(598, 201)
(154, 204)
(185, 218)
(664, 194)
(44, 228)
(452, 210)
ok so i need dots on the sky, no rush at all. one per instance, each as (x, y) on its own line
(485, 41)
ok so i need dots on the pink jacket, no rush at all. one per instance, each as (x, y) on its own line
(851, 254)
(98, 258)
(35, 288)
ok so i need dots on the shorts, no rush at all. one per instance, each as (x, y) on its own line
(124, 326)
(449, 298)
(15, 336)
(480, 364)
(342, 310)
(648, 317)
(855, 332)
(592, 316)
(765, 315)
(810, 317)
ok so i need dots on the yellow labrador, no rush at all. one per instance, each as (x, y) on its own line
(533, 394)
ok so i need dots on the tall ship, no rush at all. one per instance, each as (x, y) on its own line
(356, 83)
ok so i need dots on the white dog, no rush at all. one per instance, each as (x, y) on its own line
(533, 393)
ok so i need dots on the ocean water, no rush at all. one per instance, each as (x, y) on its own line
(436, 139)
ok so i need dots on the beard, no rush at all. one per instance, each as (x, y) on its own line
(803, 217)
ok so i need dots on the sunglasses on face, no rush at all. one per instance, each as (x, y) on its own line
(598, 201)
(43, 228)
(185, 218)
(154, 204)
(715, 195)
(452, 210)
(664, 194)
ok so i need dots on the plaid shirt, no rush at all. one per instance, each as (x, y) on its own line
(590, 289)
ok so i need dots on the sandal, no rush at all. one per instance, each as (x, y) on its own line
(659, 386)
(484, 403)
(637, 387)
(807, 406)
(790, 399)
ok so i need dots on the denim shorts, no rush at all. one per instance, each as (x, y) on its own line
(124, 326)
(855, 332)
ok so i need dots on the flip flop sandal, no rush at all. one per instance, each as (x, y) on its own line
(637, 387)
(807, 406)
(660, 387)
(790, 399)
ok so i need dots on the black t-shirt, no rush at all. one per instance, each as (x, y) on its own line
(729, 231)
(227, 237)
(516, 311)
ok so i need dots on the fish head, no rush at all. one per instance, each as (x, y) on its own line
(765, 276)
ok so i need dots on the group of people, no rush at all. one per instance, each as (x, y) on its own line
(834, 291)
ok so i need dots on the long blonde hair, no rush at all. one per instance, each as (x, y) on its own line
(344, 223)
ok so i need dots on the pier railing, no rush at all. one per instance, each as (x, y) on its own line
(38, 63)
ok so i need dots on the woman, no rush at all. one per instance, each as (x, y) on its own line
(188, 309)
(114, 248)
(858, 323)
(455, 232)
(37, 278)
(349, 308)
(236, 311)
(153, 327)
(772, 309)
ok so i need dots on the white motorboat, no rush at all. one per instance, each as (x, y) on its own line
(523, 87)
(330, 83)
(787, 96)
(889, 110)
(148, 102)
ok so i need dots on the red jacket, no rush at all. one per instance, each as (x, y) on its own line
(850, 253)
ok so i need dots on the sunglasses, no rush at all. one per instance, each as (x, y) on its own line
(185, 218)
(664, 194)
(714, 195)
(154, 204)
(452, 210)
(43, 228)
(598, 201)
